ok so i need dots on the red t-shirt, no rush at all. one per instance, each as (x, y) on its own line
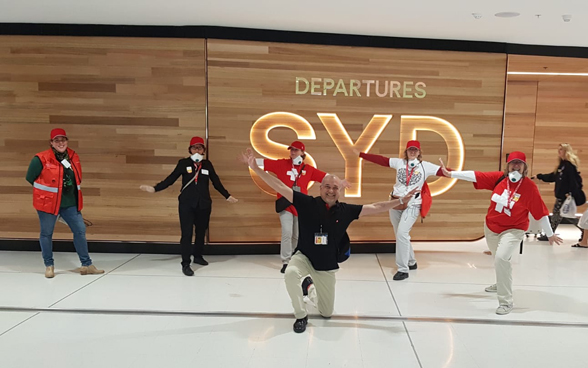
(523, 200)
(289, 174)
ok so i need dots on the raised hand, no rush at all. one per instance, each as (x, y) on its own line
(248, 158)
(345, 184)
(446, 172)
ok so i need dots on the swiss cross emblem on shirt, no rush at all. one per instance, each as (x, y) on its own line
(505, 202)
(293, 174)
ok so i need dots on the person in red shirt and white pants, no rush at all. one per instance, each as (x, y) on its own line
(296, 174)
(514, 196)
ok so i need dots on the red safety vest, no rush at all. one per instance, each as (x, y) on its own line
(47, 188)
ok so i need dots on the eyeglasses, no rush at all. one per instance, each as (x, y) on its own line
(60, 140)
(516, 162)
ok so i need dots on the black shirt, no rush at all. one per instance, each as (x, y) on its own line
(312, 214)
(196, 193)
(565, 179)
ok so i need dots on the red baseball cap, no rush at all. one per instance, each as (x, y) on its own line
(197, 140)
(415, 144)
(297, 144)
(58, 132)
(517, 155)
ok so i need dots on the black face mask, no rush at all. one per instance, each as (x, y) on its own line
(60, 156)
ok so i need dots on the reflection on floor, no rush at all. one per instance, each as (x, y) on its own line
(254, 325)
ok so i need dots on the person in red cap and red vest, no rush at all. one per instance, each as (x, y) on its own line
(56, 176)
(195, 203)
(514, 196)
(411, 172)
(296, 175)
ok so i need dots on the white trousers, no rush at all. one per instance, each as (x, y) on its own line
(289, 235)
(402, 221)
(503, 246)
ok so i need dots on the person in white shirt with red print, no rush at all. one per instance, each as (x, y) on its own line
(514, 196)
(411, 173)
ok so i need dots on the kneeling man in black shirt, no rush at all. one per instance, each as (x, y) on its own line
(322, 239)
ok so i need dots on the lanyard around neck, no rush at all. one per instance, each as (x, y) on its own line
(510, 196)
(407, 175)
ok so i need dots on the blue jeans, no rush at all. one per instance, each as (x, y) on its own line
(74, 220)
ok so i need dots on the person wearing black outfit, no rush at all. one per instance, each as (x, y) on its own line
(195, 202)
(567, 182)
(322, 240)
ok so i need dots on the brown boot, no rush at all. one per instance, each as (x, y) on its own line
(50, 272)
(90, 270)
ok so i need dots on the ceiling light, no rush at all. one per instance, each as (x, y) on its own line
(507, 14)
(566, 17)
(546, 73)
(477, 15)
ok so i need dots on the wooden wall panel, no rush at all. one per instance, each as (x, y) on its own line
(561, 105)
(519, 118)
(248, 80)
(129, 107)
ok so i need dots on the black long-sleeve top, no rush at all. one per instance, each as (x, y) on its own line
(197, 192)
(564, 178)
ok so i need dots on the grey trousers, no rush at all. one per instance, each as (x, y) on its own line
(402, 221)
(289, 240)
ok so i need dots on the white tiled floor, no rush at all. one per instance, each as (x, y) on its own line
(550, 285)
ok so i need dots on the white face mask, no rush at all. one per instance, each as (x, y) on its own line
(514, 176)
(413, 162)
(297, 160)
(197, 157)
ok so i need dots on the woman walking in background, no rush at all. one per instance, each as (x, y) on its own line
(566, 179)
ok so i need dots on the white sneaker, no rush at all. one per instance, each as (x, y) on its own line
(504, 309)
(491, 289)
(311, 298)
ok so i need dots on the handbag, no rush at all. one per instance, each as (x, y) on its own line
(579, 195)
(568, 208)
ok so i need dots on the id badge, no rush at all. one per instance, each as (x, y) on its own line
(296, 188)
(321, 238)
(65, 163)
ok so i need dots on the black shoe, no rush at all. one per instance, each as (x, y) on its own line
(413, 267)
(187, 270)
(305, 285)
(300, 325)
(283, 270)
(543, 238)
(400, 276)
(201, 261)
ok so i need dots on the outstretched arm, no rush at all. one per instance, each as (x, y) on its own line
(462, 175)
(275, 183)
(370, 209)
